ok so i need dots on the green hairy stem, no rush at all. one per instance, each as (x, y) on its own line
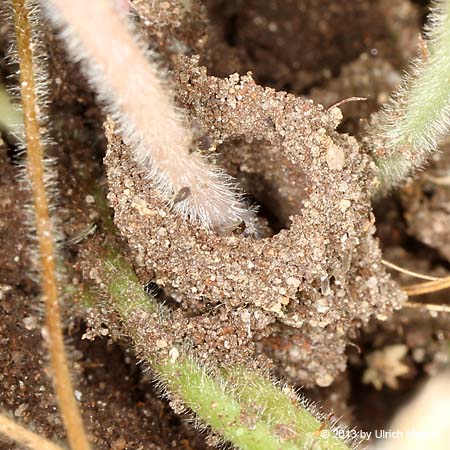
(408, 129)
(240, 406)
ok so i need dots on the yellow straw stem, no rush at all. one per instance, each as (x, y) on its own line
(25, 437)
(47, 265)
(428, 287)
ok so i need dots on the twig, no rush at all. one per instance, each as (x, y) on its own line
(47, 265)
(428, 287)
(347, 100)
(409, 272)
(435, 284)
(25, 437)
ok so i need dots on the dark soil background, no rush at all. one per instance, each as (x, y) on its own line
(327, 50)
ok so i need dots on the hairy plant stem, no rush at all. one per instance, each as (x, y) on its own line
(23, 436)
(408, 129)
(140, 101)
(241, 406)
(253, 389)
(36, 174)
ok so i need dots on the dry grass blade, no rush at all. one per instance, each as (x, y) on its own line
(25, 437)
(434, 284)
(409, 272)
(47, 264)
(428, 287)
(348, 100)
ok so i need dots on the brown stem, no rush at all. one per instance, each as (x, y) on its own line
(427, 287)
(25, 437)
(47, 265)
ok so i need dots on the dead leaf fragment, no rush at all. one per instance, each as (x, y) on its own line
(385, 366)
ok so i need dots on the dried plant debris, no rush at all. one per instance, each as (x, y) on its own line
(427, 337)
(385, 366)
(321, 274)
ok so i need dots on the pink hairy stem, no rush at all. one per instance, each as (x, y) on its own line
(133, 90)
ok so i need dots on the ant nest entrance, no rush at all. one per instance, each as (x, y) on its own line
(322, 275)
(276, 186)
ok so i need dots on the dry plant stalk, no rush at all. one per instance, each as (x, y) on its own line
(408, 272)
(427, 287)
(36, 174)
(23, 436)
(433, 284)
(137, 96)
